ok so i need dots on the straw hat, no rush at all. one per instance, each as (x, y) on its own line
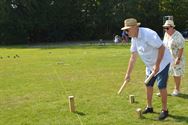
(169, 23)
(128, 23)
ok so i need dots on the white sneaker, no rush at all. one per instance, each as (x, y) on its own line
(158, 94)
(175, 93)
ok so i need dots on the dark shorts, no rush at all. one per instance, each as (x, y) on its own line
(161, 78)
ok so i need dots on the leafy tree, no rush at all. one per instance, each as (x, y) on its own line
(177, 8)
(23, 21)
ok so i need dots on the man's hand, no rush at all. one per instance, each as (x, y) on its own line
(155, 69)
(127, 78)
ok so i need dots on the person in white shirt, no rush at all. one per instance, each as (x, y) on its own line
(117, 39)
(174, 41)
(147, 44)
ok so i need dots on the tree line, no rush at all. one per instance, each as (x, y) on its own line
(33, 21)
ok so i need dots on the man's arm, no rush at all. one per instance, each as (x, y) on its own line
(130, 67)
(159, 58)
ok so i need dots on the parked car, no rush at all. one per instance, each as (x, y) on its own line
(185, 33)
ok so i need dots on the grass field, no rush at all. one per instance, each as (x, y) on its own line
(35, 82)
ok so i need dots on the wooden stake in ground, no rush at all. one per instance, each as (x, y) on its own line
(71, 104)
(131, 99)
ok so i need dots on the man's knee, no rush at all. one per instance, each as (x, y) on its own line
(162, 86)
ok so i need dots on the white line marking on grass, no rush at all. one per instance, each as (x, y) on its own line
(57, 75)
(81, 123)
(59, 80)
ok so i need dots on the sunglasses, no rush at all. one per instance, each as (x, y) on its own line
(166, 28)
(126, 31)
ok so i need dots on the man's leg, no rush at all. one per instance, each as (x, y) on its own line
(149, 108)
(164, 112)
(149, 96)
(163, 93)
(162, 79)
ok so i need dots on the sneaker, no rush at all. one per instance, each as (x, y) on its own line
(147, 110)
(163, 115)
(175, 93)
(158, 94)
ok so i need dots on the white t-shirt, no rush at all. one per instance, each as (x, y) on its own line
(146, 45)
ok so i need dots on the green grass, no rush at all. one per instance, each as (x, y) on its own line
(35, 86)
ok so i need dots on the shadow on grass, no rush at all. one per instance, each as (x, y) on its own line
(181, 95)
(80, 113)
(136, 102)
(175, 117)
(179, 118)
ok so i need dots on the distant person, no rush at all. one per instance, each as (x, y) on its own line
(125, 38)
(174, 41)
(147, 44)
(117, 39)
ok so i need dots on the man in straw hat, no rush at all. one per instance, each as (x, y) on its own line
(174, 41)
(147, 44)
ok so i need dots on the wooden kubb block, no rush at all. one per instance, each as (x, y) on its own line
(139, 112)
(131, 99)
(71, 104)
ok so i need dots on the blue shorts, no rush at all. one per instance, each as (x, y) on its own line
(161, 78)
